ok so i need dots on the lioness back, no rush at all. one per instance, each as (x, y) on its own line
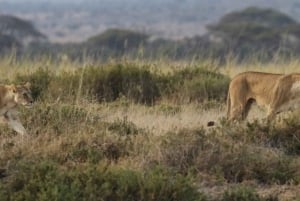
(249, 87)
(253, 85)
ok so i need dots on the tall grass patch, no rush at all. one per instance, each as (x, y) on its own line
(44, 180)
(245, 193)
(195, 84)
(226, 158)
(137, 83)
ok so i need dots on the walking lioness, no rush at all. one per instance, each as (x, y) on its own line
(10, 97)
(275, 92)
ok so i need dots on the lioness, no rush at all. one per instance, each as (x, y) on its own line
(275, 92)
(10, 97)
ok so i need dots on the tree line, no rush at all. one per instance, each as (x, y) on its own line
(252, 32)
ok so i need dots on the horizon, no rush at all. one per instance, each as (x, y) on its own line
(75, 21)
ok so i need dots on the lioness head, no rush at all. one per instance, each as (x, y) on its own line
(22, 94)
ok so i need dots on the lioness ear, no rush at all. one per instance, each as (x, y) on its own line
(27, 85)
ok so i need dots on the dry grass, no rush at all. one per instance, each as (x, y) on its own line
(159, 121)
(138, 137)
(232, 68)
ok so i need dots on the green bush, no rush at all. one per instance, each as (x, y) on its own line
(39, 80)
(131, 81)
(82, 152)
(46, 181)
(284, 137)
(225, 157)
(242, 193)
(195, 84)
(65, 87)
(123, 127)
(180, 150)
(260, 156)
(278, 171)
(57, 119)
(108, 83)
(244, 164)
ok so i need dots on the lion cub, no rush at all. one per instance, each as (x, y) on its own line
(10, 97)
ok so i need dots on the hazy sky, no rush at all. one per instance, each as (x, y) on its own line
(73, 20)
(38, 0)
(57, 0)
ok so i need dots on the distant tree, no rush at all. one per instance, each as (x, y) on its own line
(7, 42)
(118, 39)
(265, 17)
(20, 29)
(256, 30)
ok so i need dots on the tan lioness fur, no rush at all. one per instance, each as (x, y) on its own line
(10, 97)
(275, 92)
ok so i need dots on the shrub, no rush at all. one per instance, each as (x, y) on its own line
(195, 84)
(57, 119)
(225, 158)
(137, 84)
(108, 83)
(83, 152)
(244, 164)
(46, 181)
(242, 193)
(276, 170)
(123, 127)
(133, 82)
(249, 153)
(284, 136)
(39, 80)
(65, 87)
(180, 150)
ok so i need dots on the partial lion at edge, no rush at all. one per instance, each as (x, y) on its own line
(276, 92)
(11, 96)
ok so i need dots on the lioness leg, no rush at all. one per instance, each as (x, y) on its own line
(17, 126)
(13, 121)
(236, 113)
(238, 110)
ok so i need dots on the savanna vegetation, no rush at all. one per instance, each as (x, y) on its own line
(122, 116)
(136, 130)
